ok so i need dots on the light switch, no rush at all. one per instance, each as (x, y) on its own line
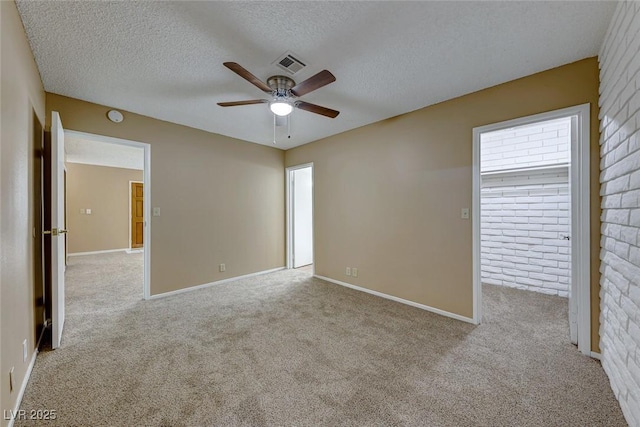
(156, 211)
(464, 213)
(354, 272)
(82, 211)
(88, 211)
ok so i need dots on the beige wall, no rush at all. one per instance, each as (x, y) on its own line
(221, 199)
(22, 93)
(388, 195)
(105, 191)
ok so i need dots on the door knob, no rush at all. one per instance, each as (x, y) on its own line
(55, 231)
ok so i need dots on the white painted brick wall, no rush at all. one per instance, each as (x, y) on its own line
(526, 146)
(523, 219)
(620, 189)
(525, 208)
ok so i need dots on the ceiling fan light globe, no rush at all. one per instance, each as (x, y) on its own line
(281, 108)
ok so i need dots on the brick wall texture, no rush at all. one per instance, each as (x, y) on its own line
(538, 144)
(620, 190)
(525, 207)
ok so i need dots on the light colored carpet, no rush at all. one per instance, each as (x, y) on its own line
(287, 349)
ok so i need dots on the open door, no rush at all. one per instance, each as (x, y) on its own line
(573, 287)
(302, 216)
(57, 231)
(137, 215)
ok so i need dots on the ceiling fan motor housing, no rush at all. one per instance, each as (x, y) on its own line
(281, 85)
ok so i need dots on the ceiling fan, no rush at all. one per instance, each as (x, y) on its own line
(284, 92)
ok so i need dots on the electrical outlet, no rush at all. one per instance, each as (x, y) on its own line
(223, 268)
(156, 211)
(11, 380)
(348, 271)
(82, 211)
(88, 211)
(24, 350)
(354, 272)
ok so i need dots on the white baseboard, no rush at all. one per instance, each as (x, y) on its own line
(400, 300)
(596, 355)
(219, 282)
(23, 387)
(98, 252)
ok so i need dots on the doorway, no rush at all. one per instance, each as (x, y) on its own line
(102, 173)
(299, 187)
(531, 211)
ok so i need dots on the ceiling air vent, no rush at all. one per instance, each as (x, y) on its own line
(290, 62)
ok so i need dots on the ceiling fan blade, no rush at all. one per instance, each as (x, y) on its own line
(312, 108)
(234, 103)
(239, 70)
(323, 78)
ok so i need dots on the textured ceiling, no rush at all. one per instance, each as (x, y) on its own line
(80, 149)
(164, 59)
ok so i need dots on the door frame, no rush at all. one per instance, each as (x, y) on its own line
(38, 192)
(131, 242)
(146, 180)
(580, 215)
(289, 212)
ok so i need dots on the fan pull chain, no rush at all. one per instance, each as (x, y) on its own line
(274, 129)
(289, 126)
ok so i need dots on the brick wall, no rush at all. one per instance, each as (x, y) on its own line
(523, 224)
(620, 190)
(525, 207)
(538, 144)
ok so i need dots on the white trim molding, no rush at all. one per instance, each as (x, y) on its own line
(596, 355)
(397, 299)
(216, 283)
(580, 302)
(23, 387)
(475, 228)
(108, 251)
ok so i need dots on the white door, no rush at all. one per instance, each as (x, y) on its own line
(573, 287)
(302, 216)
(58, 232)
